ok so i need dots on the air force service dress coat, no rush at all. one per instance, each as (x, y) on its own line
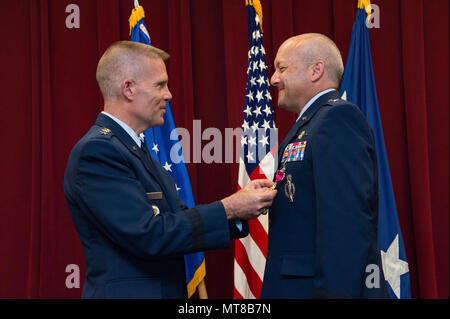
(133, 227)
(323, 221)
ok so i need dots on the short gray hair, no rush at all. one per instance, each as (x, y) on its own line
(123, 59)
(320, 47)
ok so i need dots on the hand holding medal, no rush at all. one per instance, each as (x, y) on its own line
(279, 177)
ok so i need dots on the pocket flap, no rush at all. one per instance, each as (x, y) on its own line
(300, 264)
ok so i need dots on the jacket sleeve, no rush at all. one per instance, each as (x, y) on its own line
(345, 181)
(115, 201)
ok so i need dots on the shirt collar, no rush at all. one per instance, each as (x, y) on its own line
(310, 102)
(127, 129)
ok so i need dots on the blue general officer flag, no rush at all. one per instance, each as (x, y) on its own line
(159, 143)
(358, 86)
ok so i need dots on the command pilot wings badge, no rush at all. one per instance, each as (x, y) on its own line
(300, 136)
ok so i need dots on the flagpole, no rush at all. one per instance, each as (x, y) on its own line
(202, 290)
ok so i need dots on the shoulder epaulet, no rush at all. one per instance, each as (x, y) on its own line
(333, 102)
(104, 132)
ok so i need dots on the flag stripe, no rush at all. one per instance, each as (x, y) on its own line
(254, 282)
(259, 233)
(237, 294)
(254, 255)
(267, 165)
(243, 178)
(241, 285)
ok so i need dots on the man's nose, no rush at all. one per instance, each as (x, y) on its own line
(167, 95)
(275, 79)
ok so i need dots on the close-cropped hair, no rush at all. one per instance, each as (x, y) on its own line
(123, 59)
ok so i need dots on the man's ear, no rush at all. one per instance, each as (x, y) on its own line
(128, 89)
(317, 70)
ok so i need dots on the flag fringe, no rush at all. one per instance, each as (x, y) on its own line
(258, 8)
(136, 15)
(200, 273)
(365, 4)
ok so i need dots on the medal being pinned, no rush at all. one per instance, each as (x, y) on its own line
(278, 178)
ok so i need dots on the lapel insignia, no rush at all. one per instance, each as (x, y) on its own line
(105, 131)
(304, 118)
(303, 133)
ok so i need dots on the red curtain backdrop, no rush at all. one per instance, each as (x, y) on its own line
(50, 98)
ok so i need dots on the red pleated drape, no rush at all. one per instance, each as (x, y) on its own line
(51, 99)
(413, 53)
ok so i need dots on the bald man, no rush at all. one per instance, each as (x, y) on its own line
(133, 226)
(323, 222)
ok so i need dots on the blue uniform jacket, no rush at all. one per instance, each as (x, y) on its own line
(134, 241)
(321, 244)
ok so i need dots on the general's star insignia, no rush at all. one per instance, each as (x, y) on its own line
(105, 131)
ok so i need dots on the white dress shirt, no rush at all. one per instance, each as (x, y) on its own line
(127, 129)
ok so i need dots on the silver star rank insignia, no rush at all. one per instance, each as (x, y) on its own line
(105, 131)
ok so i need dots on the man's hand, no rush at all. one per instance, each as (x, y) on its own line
(249, 202)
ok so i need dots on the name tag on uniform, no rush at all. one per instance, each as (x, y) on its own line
(154, 195)
(294, 152)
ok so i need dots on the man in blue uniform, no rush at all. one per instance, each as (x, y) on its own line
(323, 222)
(133, 227)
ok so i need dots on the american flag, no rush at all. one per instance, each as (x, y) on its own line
(258, 146)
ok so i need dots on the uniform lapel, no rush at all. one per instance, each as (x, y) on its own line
(107, 122)
(306, 117)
